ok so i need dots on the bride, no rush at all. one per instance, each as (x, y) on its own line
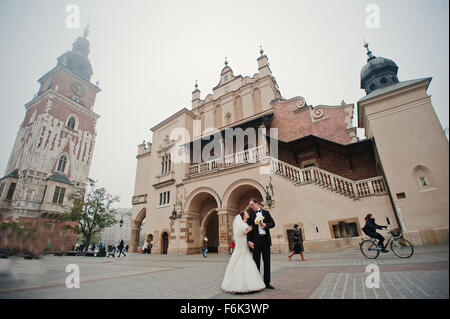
(242, 275)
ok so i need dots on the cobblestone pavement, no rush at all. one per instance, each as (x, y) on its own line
(324, 275)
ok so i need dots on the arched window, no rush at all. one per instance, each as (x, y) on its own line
(202, 119)
(238, 112)
(423, 176)
(62, 164)
(257, 101)
(228, 119)
(71, 123)
(218, 116)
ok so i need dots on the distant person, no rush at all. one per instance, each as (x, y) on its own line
(150, 246)
(298, 243)
(120, 248)
(205, 246)
(126, 248)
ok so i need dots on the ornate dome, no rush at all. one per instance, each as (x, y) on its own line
(379, 72)
(77, 60)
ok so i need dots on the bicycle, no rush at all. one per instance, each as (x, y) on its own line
(399, 245)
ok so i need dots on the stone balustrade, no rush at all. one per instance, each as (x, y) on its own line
(336, 183)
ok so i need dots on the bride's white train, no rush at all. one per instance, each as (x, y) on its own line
(242, 275)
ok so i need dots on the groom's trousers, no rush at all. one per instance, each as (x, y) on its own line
(262, 247)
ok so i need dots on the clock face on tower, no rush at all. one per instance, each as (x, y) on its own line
(78, 88)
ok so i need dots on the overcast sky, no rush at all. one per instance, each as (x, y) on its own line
(148, 54)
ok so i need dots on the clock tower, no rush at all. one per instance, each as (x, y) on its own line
(53, 150)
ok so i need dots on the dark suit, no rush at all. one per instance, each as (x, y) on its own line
(262, 243)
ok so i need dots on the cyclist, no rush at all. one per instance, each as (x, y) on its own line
(370, 230)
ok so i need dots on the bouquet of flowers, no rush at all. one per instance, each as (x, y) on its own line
(258, 219)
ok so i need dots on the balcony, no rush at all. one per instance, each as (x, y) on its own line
(252, 155)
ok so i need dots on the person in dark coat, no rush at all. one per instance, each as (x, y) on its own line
(120, 248)
(298, 243)
(370, 230)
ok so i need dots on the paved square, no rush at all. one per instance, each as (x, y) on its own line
(324, 275)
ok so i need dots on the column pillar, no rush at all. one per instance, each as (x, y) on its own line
(225, 216)
(134, 242)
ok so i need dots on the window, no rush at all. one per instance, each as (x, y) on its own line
(164, 198)
(12, 188)
(62, 164)
(58, 196)
(71, 123)
(228, 119)
(166, 164)
(343, 230)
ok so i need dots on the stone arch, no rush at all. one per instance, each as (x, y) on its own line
(230, 198)
(205, 219)
(209, 226)
(136, 224)
(190, 205)
(201, 203)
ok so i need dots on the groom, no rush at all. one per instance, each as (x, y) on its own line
(259, 238)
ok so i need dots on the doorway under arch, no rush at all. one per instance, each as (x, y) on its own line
(211, 230)
(164, 243)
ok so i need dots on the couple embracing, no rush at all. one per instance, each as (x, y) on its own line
(251, 230)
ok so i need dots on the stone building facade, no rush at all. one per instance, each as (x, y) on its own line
(119, 231)
(305, 163)
(52, 154)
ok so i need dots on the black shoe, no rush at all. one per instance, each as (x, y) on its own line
(268, 286)
(384, 250)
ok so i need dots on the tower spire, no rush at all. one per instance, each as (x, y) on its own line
(369, 53)
(86, 31)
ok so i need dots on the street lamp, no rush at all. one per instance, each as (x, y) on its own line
(268, 197)
(174, 212)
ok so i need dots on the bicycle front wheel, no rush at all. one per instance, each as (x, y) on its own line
(402, 248)
(369, 249)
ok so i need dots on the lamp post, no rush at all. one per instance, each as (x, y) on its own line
(268, 197)
(175, 215)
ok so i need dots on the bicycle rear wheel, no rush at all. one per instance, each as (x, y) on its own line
(369, 249)
(402, 248)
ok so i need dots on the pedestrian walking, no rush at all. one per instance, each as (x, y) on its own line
(298, 243)
(120, 248)
(126, 248)
(205, 246)
(150, 247)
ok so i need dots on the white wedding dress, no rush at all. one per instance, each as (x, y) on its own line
(241, 274)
